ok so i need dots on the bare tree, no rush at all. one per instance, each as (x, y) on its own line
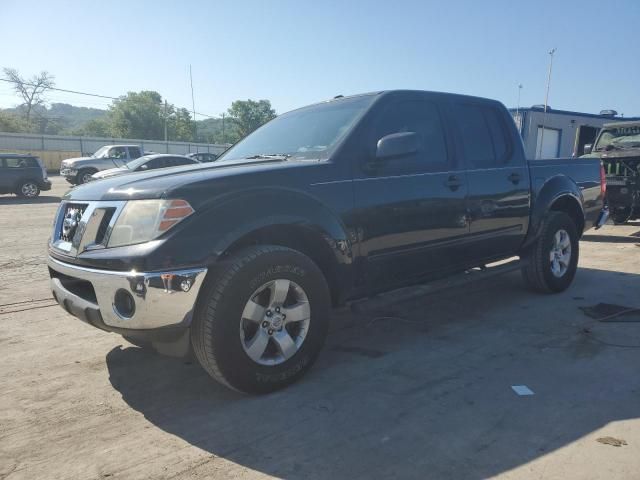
(31, 90)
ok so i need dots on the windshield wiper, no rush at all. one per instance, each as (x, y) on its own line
(284, 156)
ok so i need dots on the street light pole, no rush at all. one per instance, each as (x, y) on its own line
(546, 99)
(518, 105)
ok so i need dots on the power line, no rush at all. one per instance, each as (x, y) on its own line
(90, 94)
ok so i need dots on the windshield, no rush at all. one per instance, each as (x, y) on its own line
(102, 152)
(619, 137)
(308, 133)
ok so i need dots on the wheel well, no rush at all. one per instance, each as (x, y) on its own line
(305, 241)
(571, 207)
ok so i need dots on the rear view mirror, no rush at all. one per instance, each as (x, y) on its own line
(397, 145)
(588, 148)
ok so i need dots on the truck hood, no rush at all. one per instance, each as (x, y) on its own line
(74, 161)
(620, 154)
(176, 182)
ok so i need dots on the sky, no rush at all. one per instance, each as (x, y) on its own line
(298, 52)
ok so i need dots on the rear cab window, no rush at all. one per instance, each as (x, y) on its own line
(134, 152)
(483, 136)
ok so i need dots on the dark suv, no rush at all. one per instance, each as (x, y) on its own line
(23, 175)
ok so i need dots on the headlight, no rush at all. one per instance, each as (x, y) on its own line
(143, 220)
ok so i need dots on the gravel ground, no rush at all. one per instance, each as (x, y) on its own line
(420, 389)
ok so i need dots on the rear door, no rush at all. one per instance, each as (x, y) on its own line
(498, 176)
(17, 169)
(411, 212)
(7, 177)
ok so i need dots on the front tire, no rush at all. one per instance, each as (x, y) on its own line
(240, 332)
(84, 176)
(552, 262)
(621, 215)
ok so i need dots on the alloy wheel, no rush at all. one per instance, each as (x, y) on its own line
(560, 255)
(275, 322)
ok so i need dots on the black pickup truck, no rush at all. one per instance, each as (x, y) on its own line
(240, 261)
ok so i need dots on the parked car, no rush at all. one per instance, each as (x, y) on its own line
(143, 164)
(241, 261)
(203, 157)
(79, 170)
(23, 175)
(618, 146)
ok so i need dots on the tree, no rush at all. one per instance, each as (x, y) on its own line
(247, 115)
(181, 125)
(32, 91)
(12, 123)
(137, 115)
(98, 127)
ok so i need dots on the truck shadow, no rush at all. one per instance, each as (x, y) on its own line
(13, 200)
(632, 238)
(419, 389)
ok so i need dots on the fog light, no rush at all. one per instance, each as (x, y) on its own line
(124, 304)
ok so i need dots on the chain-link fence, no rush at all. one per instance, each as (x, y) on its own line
(52, 149)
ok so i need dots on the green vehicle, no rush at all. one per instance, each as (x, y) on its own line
(618, 145)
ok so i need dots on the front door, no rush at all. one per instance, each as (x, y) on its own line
(499, 194)
(410, 211)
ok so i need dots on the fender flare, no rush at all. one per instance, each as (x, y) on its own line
(554, 189)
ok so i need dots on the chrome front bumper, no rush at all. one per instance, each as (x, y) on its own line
(159, 299)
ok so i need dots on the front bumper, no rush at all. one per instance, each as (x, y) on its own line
(155, 301)
(68, 173)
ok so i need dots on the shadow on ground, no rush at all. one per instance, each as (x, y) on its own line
(436, 399)
(14, 200)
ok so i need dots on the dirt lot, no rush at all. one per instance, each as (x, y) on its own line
(420, 389)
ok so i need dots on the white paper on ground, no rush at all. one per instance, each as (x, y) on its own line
(522, 390)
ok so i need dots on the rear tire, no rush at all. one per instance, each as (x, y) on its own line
(28, 189)
(553, 259)
(236, 334)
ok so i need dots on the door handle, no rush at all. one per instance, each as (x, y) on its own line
(453, 182)
(514, 177)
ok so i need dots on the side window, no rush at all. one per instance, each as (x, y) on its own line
(184, 161)
(134, 152)
(118, 152)
(476, 137)
(20, 162)
(423, 118)
(155, 163)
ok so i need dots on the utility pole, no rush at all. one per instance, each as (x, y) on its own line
(546, 100)
(224, 138)
(165, 120)
(193, 106)
(518, 105)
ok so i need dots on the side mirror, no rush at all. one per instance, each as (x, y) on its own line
(588, 148)
(143, 167)
(397, 145)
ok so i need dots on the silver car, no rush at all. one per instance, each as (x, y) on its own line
(79, 170)
(143, 164)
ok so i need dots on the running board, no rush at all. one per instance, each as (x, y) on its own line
(404, 294)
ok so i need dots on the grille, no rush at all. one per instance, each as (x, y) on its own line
(70, 221)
